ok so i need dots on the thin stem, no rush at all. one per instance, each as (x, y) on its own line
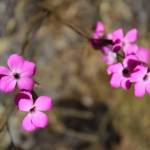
(119, 57)
(12, 144)
(32, 31)
(34, 28)
(76, 29)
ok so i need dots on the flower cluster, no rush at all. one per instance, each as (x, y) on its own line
(19, 74)
(127, 61)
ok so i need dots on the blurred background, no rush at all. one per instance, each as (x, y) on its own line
(88, 114)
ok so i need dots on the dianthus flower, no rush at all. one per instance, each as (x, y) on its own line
(35, 117)
(98, 39)
(125, 42)
(121, 72)
(18, 73)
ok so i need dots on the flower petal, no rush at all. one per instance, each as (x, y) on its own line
(118, 34)
(114, 68)
(7, 84)
(25, 104)
(110, 58)
(28, 69)
(115, 80)
(23, 95)
(27, 124)
(43, 103)
(25, 83)
(139, 73)
(99, 31)
(15, 61)
(131, 62)
(143, 54)
(131, 36)
(130, 49)
(40, 119)
(4, 71)
(139, 89)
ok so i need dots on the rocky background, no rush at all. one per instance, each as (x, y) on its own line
(88, 114)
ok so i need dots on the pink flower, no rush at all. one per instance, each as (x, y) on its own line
(35, 118)
(98, 40)
(141, 78)
(19, 72)
(121, 72)
(124, 41)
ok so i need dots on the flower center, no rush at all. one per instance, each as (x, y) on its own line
(145, 77)
(16, 76)
(32, 109)
(126, 72)
(117, 41)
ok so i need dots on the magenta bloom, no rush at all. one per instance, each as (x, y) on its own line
(35, 118)
(19, 72)
(98, 39)
(141, 78)
(121, 72)
(124, 41)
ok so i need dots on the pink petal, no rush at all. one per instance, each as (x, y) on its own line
(40, 119)
(139, 73)
(15, 61)
(130, 49)
(110, 36)
(100, 26)
(25, 83)
(117, 47)
(131, 61)
(139, 89)
(7, 84)
(143, 54)
(23, 95)
(115, 80)
(110, 58)
(99, 31)
(131, 36)
(4, 71)
(118, 34)
(43, 103)
(27, 124)
(25, 104)
(114, 68)
(28, 69)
